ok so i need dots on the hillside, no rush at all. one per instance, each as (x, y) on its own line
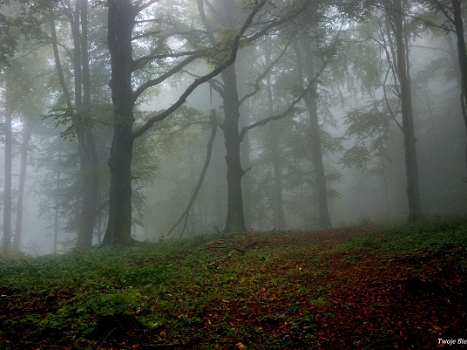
(359, 287)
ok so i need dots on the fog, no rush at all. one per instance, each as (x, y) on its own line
(329, 90)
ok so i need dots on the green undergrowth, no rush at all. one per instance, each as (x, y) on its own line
(432, 236)
(187, 292)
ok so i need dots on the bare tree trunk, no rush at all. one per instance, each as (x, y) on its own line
(246, 180)
(57, 204)
(462, 57)
(7, 183)
(192, 213)
(275, 141)
(26, 137)
(235, 221)
(121, 20)
(87, 147)
(315, 133)
(120, 28)
(411, 164)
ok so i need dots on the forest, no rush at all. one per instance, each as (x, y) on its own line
(156, 149)
(128, 121)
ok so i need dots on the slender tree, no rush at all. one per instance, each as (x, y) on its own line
(275, 152)
(453, 12)
(78, 18)
(7, 195)
(395, 25)
(307, 70)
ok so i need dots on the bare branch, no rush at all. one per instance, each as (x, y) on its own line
(207, 161)
(139, 6)
(203, 79)
(393, 115)
(141, 36)
(205, 21)
(263, 122)
(166, 75)
(214, 83)
(139, 63)
(258, 80)
(28, 53)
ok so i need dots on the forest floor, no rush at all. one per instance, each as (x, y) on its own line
(354, 288)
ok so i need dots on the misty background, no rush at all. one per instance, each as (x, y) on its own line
(342, 60)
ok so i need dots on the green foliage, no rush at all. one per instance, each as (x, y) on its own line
(72, 121)
(371, 129)
(435, 235)
(175, 288)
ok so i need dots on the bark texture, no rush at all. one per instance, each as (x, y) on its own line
(120, 28)
(235, 221)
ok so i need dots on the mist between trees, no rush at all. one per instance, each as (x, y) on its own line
(141, 120)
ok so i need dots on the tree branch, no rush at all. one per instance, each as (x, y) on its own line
(166, 75)
(139, 6)
(203, 79)
(139, 63)
(257, 87)
(207, 161)
(263, 122)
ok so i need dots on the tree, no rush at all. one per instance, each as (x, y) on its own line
(395, 25)
(88, 159)
(7, 195)
(307, 69)
(392, 35)
(452, 11)
(276, 161)
(122, 19)
(228, 90)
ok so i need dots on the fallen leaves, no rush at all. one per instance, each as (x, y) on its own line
(293, 298)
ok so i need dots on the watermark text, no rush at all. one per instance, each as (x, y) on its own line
(458, 341)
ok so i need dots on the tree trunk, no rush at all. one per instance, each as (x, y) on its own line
(7, 183)
(462, 57)
(411, 165)
(120, 27)
(87, 147)
(276, 164)
(57, 203)
(324, 219)
(26, 137)
(246, 164)
(192, 212)
(235, 217)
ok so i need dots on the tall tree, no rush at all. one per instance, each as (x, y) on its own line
(122, 19)
(392, 34)
(306, 70)
(25, 139)
(453, 12)
(395, 25)
(228, 90)
(275, 151)
(235, 221)
(7, 195)
(78, 19)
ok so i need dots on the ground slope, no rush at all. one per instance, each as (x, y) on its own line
(362, 287)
